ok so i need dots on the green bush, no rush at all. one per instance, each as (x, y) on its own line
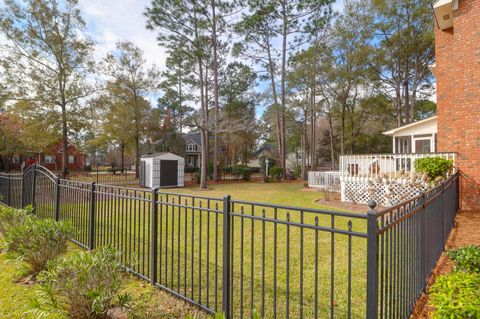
(227, 169)
(456, 295)
(466, 258)
(242, 171)
(191, 169)
(38, 241)
(276, 173)
(297, 172)
(255, 169)
(433, 166)
(196, 178)
(84, 285)
(11, 217)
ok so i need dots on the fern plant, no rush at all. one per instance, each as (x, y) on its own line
(84, 285)
(37, 241)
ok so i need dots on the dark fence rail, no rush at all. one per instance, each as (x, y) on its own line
(118, 178)
(242, 257)
(410, 238)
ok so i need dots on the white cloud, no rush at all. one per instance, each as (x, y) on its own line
(109, 21)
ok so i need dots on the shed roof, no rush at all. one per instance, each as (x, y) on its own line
(160, 154)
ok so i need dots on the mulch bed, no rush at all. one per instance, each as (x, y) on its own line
(466, 232)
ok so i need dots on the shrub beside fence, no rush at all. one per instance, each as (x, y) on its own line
(241, 257)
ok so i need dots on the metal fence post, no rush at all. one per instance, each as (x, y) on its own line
(57, 199)
(154, 253)
(34, 186)
(91, 231)
(423, 235)
(372, 262)
(444, 214)
(22, 191)
(226, 281)
(9, 176)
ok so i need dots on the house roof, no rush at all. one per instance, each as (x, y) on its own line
(58, 146)
(410, 125)
(265, 148)
(195, 137)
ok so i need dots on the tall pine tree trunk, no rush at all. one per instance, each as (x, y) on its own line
(283, 96)
(122, 156)
(215, 92)
(271, 69)
(332, 146)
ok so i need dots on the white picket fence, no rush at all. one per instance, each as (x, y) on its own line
(387, 175)
(372, 166)
(328, 180)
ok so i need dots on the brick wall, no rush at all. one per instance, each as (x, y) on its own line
(457, 71)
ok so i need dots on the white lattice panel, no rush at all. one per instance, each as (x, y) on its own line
(384, 192)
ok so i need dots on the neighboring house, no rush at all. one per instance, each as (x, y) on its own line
(292, 160)
(193, 149)
(51, 159)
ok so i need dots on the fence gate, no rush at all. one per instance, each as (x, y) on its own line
(39, 189)
(28, 186)
(46, 186)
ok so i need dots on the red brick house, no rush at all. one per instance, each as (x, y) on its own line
(51, 159)
(457, 71)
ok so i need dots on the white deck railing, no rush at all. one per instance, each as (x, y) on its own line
(329, 180)
(371, 166)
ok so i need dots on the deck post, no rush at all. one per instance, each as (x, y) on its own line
(372, 262)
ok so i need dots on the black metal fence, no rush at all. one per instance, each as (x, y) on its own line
(241, 257)
(107, 177)
(410, 238)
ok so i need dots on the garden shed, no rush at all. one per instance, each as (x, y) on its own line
(162, 170)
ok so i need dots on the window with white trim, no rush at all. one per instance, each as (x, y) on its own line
(71, 159)
(49, 159)
(191, 147)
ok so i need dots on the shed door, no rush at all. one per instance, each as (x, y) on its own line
(168, 173)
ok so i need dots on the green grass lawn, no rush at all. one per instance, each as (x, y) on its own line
(14, 297)
(190, 247)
